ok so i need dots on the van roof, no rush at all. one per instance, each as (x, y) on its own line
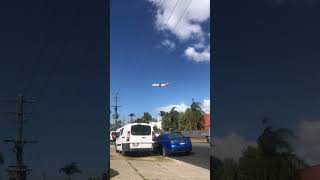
(136, 123)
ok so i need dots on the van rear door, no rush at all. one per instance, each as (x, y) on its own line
(141, 135)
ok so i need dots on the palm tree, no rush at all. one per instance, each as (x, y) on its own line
(131, 115)
(274, 157)
(174, 115)
(70, 169)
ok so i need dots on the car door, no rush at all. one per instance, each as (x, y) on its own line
(119, 140)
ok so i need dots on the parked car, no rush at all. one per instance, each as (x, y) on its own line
(135, 137)
(173, 142)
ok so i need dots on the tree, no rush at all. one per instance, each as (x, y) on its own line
(147, 118)
(174, 117)
(182, 122)
(70, 169)
(131, 116)
(228, 170)
(138, 120)
(156, 129)
(194, 116)
(165, 120)
(273, 158)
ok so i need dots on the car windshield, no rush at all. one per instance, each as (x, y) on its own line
(140, 130)
(175, 136)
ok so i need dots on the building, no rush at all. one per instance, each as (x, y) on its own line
(206, 122)
(310, 173)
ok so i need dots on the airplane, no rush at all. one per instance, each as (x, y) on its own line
(160, 85)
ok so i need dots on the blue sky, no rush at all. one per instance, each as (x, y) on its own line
(141, 53)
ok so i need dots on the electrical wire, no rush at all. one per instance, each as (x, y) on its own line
(182, 15)
(172, 11)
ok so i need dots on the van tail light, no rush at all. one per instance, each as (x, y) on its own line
(128, 136)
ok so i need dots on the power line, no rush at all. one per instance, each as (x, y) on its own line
(172, 11)
(182, 15)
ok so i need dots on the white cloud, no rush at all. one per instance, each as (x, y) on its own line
(179, 107)
(183, 19)
(230, 146)
(308, 144)
(205, 106)
(169, 44)
(198, 56)
(170, 12)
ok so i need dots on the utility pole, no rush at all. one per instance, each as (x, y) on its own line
(116, 115)
(19, 171)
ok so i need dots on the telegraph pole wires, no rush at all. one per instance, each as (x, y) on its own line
(116, 115)
(19, 171)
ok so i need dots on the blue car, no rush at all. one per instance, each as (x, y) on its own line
(173, 142)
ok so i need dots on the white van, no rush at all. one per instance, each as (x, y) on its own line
(135, 137)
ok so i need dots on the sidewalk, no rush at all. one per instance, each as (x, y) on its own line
(154, 168)
(198, 139)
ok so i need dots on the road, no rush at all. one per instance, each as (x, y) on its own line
(199, 156)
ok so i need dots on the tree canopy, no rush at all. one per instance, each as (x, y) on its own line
(272, 159)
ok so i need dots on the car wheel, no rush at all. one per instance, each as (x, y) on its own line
(116, 148)
(164, 152)
(123, 152)
(187, 153)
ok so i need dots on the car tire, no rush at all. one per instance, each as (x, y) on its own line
(164, 152)
(116, 148)
(123, 152)
(187, 153)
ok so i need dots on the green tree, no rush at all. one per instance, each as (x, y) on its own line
(174, 117)
(273, 158)
(131, 116)
(138, 120)
(182, 122)
(194, 116)
(228, 170)
(70, 169)
(156, 129)
(165, 120)
(147, 118)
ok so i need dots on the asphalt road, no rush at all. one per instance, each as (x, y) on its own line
(200, 155)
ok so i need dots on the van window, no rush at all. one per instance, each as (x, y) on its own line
(121, 130)
(140, 130)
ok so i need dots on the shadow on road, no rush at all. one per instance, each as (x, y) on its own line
(200, 156)
(140, 154)
(113, 173)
